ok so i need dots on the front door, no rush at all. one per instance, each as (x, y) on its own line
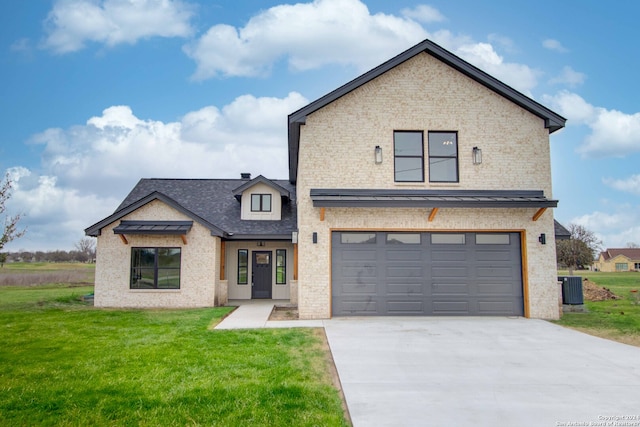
(261, 277)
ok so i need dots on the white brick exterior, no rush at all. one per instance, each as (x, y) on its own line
(199, 258)
(337, 151)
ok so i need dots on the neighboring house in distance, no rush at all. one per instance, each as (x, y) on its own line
(561, 233)
(618, 259)
(422, 187)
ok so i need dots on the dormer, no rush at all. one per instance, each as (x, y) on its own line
(261, 199)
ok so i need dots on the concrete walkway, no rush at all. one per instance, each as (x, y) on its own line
(252, 314)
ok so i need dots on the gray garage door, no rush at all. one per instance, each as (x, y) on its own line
(388, 273)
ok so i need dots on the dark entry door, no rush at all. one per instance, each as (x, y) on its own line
(261, 288)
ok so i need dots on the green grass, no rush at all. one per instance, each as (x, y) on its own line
(65, 363)
(618, 320)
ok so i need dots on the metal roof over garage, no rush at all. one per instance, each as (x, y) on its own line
(430, 198)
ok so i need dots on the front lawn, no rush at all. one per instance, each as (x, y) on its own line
(617, 320)
(65, 363)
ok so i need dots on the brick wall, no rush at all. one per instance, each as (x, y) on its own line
(198, 275)
(337, 151)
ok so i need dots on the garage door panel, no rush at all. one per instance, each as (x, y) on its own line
(451, 272)
(451, 308)
(402, 271)
(499, 256)
(408, 289)
(359, 273)
(406, 255)
(448, 255)
(457, 277)
(405, 308)
(356, 307)
(359, 255)
(359, 289)
(496, 289)
(439, 289)
(495, 272)
(495, 307)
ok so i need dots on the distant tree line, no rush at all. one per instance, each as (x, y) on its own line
(85, 251)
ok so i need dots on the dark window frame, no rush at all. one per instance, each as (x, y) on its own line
(261, 203)
(456, 156)
(136, 271)
(281, 270)
(396, 156)
(245, 267)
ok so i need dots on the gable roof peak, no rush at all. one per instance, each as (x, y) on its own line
(257, 180)
(552, 121)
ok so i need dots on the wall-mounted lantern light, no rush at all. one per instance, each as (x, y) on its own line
(477, 156)
(542, 239)
(378, 154)
(294, 237)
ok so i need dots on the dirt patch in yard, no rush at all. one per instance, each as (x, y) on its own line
(593, 292)
(284, 313)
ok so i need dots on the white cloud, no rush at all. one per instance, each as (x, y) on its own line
(21, 45)
(569, 77)
(311, 35)
(484, 56)
(505, 42)
(614, 229)
(554, 45)
(613, 133)
(88, 169)
(308, 35)
(423, 13)
(628, 185)
(72, 23)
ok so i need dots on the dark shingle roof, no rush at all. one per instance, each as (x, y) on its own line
(560, 231)
(210, 202)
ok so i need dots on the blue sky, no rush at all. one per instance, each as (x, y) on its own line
(96, 94)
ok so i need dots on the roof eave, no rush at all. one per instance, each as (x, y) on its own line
(552, 120)
(96, 229)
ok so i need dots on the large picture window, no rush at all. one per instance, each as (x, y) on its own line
(281, 267)
(443, 157)
(261, 203)
(243, 266)
(408, 155)
(155, 268)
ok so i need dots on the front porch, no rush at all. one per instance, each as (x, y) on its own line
(259, 270)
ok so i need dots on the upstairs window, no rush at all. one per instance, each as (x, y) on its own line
(408, 153)
(443, 157)
(261, 203)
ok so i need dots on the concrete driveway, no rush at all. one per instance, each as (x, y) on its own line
(482, 372)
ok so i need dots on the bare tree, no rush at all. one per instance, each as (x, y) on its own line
(580, 249)
(87, 245)
(10, 229)
(632, 245)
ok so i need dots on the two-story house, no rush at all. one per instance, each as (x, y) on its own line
(422, 187)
